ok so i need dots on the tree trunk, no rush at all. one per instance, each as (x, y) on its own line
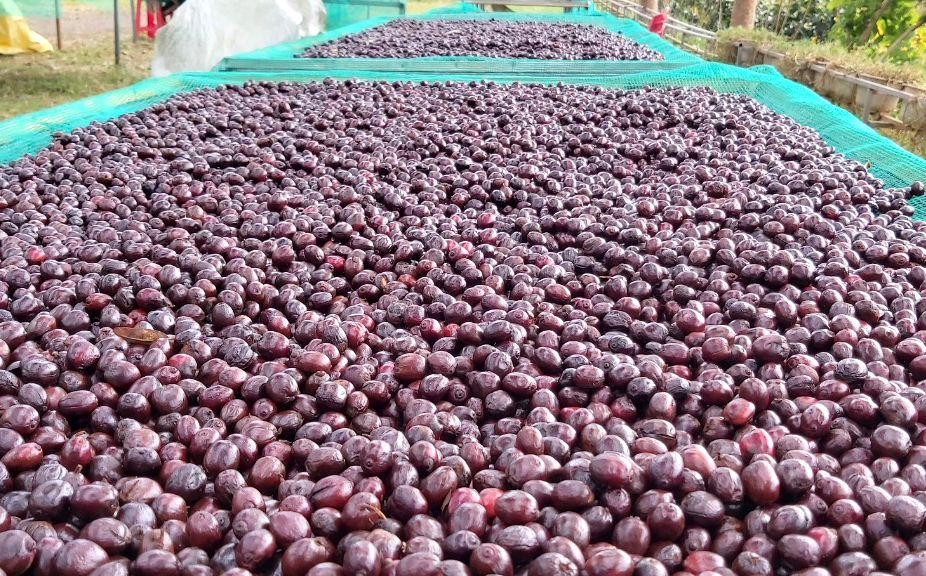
(904, 37)
(781, 17)
(872, 24)
(650, 6)
(744, 14)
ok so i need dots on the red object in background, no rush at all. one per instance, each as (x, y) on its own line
(658, 24)
(156, 13)
(154, 16)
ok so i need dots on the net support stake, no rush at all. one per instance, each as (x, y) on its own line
(116, 28)
(58, 22)
(866, 111)
(134, 27)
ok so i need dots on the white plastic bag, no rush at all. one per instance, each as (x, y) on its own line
(313, 15)
(202, 32)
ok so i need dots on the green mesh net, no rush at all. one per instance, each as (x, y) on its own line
(840, 129)
(346, 12)
(49, 9)
(282, 56)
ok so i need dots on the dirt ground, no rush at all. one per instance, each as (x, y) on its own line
(84, 22)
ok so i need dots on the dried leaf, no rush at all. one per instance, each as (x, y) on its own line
(138, 335)
(373, 510)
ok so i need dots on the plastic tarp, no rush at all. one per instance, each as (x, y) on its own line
(15, 35)
(282, 57)
(203, 32)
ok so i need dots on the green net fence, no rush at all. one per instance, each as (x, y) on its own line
(840, 129)
(72, 19)
(345, 13)
(282, 57)
(48, 9)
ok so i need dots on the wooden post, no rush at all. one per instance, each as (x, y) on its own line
(866, 110)
(650, 6)
(58, 22)
(744, 14)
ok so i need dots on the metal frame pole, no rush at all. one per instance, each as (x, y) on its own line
(116, 30)
(58, 22)
(134, 20)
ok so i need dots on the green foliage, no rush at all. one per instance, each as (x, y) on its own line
(853, 17)
(845, 21)
(710, 15)
(792, 18)
(796, 19)
(913, 50)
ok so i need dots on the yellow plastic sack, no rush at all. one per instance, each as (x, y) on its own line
(15, 35)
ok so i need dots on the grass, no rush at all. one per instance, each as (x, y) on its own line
(807, 51)
(35, 81)
(912, 141)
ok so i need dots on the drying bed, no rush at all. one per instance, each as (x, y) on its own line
(405, 327)
(416, 38)
(463, 19)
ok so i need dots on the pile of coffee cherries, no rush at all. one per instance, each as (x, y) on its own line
(416, 38)
(395, 329)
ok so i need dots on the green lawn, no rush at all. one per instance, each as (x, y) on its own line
(912, 141)
(35, 81)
